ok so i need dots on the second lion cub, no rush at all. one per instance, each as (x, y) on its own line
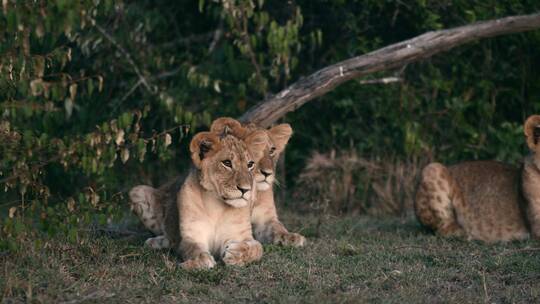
(484, 200)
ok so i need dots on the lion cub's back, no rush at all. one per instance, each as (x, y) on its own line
(491, 200)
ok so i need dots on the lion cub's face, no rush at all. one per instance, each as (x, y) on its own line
(278, 137)
(532, 135)
(227, 164)
(276, 140)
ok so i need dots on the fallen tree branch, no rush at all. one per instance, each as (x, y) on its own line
(393, 56)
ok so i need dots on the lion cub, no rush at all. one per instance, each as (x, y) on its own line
(210, 215)
(484, 200)
(267, 228)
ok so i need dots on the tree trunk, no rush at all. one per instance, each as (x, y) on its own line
(393, 56)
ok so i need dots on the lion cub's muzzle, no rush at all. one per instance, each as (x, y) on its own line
(240, 198)
(265, 179)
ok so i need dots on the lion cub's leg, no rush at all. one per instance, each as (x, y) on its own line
(241, 253)
(267, 228)
(196, 241)
(146, 202)
(237, 246)
(272, 231)
(280, 235)
(196, 255)
(534, 218)
(436, 199)
(531, 191)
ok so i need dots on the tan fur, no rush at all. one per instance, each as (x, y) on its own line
(210, 215)
(146, 204)
(483, 200)
(267, 227)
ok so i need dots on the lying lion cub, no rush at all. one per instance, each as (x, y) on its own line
(267, 227)
(484, 200)
(211, 213)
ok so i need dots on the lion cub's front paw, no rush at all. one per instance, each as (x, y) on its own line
(289, 239)
(203, 261)
(241, 253)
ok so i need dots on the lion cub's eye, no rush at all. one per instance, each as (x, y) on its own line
(536, 134)
(227, 163)
(251, 164)
(272, 150)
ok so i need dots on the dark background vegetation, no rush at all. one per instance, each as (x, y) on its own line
(97, 96)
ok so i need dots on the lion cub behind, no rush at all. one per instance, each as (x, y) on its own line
(484, 200)
(267, 228)
(210, 215)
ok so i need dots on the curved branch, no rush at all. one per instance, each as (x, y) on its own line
(392, 56)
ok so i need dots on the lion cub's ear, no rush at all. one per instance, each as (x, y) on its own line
(203, 145)
(280, 135)
(532, 131)
(256, 143)
(226, 125)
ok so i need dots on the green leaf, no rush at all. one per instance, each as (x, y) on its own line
(90, 86)
(201, 5)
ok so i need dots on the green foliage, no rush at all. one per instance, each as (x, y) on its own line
(96, 96)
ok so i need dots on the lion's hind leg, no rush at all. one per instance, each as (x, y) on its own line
(158, 242)
(147, 205)
(436, 200)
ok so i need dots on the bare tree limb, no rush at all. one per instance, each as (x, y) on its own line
(162, 75)
(390, 57)
(128, 57)
(131, 91)
(384, 80)
(218, 34)
(199, 38)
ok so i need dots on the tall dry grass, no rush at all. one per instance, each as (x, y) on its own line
(345, 182)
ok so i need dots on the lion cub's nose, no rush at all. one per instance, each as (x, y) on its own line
(243, 189)
(266, 173)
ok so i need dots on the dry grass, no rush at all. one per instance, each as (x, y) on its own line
(345, 182)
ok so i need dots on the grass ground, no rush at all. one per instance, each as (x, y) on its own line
(358, 259)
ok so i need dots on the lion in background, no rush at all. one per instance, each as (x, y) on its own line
(484, 200)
